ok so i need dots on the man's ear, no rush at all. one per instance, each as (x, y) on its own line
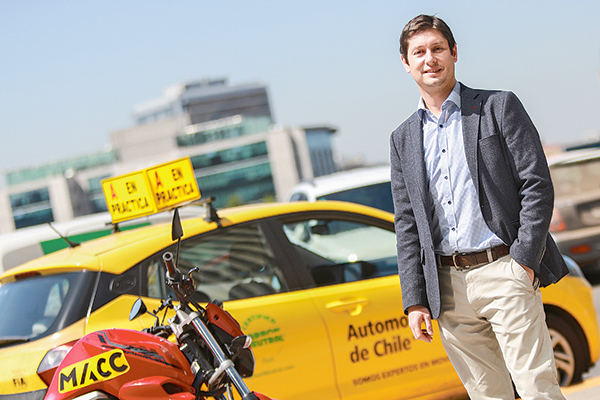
(405, 64)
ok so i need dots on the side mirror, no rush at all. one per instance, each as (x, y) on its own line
(138, 309)
(360, 270)
(176, 232)
(322, 228)
(176, 228)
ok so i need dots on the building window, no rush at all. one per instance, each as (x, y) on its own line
(319, 145)
(96, 194)
(60, 168)
(239, 186)
(31, 208)
(230, 155)
(222, 129)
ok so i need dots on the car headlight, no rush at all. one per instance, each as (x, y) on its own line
(52, 360)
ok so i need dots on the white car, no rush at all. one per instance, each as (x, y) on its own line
(368, 186)
(35, 241)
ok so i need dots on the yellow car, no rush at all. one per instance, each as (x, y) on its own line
(314, 284)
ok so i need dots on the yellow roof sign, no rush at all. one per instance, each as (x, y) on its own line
(151, 190)
(173, 183)
(128, 196)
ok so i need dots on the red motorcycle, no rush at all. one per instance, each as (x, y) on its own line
(210, 359)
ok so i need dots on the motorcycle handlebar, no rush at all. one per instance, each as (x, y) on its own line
(172, 271)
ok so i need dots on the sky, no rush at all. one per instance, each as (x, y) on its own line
(71, 72)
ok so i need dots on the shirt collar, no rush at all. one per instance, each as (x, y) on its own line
(453, 98)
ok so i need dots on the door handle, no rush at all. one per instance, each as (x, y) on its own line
(352, 305)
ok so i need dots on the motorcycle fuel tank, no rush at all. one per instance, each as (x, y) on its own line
(124, 363)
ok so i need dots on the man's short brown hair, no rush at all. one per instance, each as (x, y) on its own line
(423, 23)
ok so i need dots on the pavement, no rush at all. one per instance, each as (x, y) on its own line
(586, 390)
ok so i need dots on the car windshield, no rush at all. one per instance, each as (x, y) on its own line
(378, 196)
(31, 307)
(573, 178)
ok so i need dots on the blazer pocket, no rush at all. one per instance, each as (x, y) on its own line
(495, 168)
(492, 152)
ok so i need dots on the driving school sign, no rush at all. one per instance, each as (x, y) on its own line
(173, 183)
(151, 190)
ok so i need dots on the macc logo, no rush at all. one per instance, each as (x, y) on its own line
(102, 367)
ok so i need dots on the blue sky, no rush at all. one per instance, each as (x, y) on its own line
(72, 71)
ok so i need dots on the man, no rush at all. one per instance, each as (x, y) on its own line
(473, 201)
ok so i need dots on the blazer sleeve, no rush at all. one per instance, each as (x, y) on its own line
(534, 184)
(410, 253)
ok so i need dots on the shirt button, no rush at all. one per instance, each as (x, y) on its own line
(441, 126)
(453, 229)
(443, 150)
(449, 202)
(446, 177)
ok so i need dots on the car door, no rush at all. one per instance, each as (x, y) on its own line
(353, 264)
(240, 266)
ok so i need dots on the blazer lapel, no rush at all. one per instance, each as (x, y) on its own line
(471, 115)
(417, 161)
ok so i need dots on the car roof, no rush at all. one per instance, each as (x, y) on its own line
(26, 243)
(118, 252)
(573, 156)
(343, 180)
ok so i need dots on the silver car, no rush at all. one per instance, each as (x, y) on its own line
(576, 219)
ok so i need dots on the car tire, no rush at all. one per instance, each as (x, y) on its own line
(570, 351)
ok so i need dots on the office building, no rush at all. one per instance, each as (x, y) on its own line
(238, 153)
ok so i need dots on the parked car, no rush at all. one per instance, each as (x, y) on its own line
(35, 241)
(576, 219)
(314, 284)
(369, 186)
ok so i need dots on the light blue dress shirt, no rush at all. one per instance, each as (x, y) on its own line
(458, 225)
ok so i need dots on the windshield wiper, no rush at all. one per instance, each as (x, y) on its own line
(13, 339)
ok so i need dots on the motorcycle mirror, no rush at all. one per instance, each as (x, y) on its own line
(176, 228)
(176, 232)
(138, 309)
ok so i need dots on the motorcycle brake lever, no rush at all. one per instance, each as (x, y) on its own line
(168, 303)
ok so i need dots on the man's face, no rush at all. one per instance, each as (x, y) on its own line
(430, 61)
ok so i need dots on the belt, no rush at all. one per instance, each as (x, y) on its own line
(466, 260)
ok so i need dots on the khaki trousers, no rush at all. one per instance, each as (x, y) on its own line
(493, 328)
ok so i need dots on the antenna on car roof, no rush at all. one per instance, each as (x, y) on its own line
(211, 211)
(66, 239)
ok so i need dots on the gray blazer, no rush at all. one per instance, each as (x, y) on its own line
(511, 176)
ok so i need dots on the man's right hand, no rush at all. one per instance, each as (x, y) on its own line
(417, 316)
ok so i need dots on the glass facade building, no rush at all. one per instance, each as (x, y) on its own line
(96, 195)
(235, 176)
(34, 207)
(321, 153)
(61, 167)
(31, 208)
(238, 155)
(228, 128)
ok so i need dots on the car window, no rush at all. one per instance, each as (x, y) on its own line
(338, 251)
(233, 263)
(155, 277)
(377, 195)
(299, 196)
(30, 307)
